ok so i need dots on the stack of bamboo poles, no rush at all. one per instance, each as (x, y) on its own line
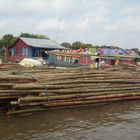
(7, 93)
(6, 67)
(45, 89)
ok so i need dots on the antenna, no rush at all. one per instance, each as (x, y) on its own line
(58, 27)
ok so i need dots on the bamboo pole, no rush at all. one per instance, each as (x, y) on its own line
(84, 90)
(33, 86)
(9, 98)
(20, 92)
(84, 100)
(69, 105)
(87, 85)
(90, 101)
(12, 112)
(16, 78)
(93, 76)
(76, 96)
(6, 85)
(132, 81)
(30, 86)
(18, 96)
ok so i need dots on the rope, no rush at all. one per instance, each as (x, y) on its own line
(47, 93)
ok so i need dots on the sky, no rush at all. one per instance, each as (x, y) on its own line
(99, 22)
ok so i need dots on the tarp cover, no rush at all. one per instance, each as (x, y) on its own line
(26, 62)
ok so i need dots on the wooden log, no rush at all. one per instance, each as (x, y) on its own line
(59, 96)
(20, 92)
(87, 85)
(78, 75)
(9, 98)
(48, 80)
(86, 90)
(13, 96)
(33, 86)
(12, 112)
(82, 75)
(6, 85)
(29, 86)
(132, 81)
(71, 99)
(63, 91)
(69, 105)
(103, 77)
(90, 101)
(75, 96)
(16, 79)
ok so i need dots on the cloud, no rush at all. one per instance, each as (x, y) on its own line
(96, 21)
(131, 10)
(2, 24)
(52, 25)
(127, 24)
(63, 5)
(81, 25)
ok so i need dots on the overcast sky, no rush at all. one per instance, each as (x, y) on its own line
(100, 22)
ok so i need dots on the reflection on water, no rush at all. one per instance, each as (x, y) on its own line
(114, 121)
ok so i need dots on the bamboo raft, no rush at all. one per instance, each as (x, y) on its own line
(41, 89)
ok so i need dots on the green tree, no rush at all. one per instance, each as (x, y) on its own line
(40, 36)
(88, 46)
(66, 44)
(5, 42)
(136, 50)
(77, 45)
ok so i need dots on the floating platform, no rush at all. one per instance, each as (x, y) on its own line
(40, 89)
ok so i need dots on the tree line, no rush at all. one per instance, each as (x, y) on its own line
(78, 44)
(8, 39)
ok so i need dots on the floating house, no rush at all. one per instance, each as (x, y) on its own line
(30, 48)
(88, 56)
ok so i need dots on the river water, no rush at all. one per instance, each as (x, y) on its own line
(115, 121)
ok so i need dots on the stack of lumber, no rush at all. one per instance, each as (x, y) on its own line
(7, 93)
(45, 89)
(125, 67)
(6, 67)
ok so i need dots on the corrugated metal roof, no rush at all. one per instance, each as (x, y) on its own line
(42, 43)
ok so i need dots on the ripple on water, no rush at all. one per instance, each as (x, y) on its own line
(112, 122)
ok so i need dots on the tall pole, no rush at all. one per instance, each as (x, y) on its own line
(58, 27)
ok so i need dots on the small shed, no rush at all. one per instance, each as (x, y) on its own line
(30, 48)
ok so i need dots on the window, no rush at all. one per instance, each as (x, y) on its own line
(25, 51)
(13, 51)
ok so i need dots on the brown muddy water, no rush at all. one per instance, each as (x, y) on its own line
(115, 121)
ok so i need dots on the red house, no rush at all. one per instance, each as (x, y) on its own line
(30, 48)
